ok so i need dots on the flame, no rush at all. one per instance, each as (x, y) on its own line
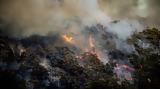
(67, 38)
(128, 68)
(91, 44)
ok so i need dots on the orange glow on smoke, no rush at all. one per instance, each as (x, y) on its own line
(67, 38)
(91, 44)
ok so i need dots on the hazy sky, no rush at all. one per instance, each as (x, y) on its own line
(143, 10)
(26, 17)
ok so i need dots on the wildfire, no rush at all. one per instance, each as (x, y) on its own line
(67, 38)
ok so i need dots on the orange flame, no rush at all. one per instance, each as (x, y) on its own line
(67, 38)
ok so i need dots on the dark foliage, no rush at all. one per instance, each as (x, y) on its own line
(37, 65)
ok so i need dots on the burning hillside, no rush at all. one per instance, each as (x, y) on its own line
(57, 61)
(78, 44)
(49, 60)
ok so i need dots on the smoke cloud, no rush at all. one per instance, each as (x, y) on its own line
(27, 17)
(146, 11)
(43, 16)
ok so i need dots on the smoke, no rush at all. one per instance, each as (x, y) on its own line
(124, 28)
(25, 18)
(21, 18)
(146, 11)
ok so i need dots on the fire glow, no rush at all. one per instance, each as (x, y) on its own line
(91, 44)
(67, 38)
(124, 72)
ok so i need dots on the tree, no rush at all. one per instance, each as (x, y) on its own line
(146, 58)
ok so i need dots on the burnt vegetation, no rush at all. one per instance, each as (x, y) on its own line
(37, 63)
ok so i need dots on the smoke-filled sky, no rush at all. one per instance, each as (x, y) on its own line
(143, 10)
(27, 17)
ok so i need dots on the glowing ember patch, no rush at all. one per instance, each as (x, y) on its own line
(67, 38)
(129, 79)
(128, 68)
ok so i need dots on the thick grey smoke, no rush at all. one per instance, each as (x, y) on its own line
(27, 17)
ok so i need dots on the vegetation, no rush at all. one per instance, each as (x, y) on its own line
(146, 59)
(28, 67)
